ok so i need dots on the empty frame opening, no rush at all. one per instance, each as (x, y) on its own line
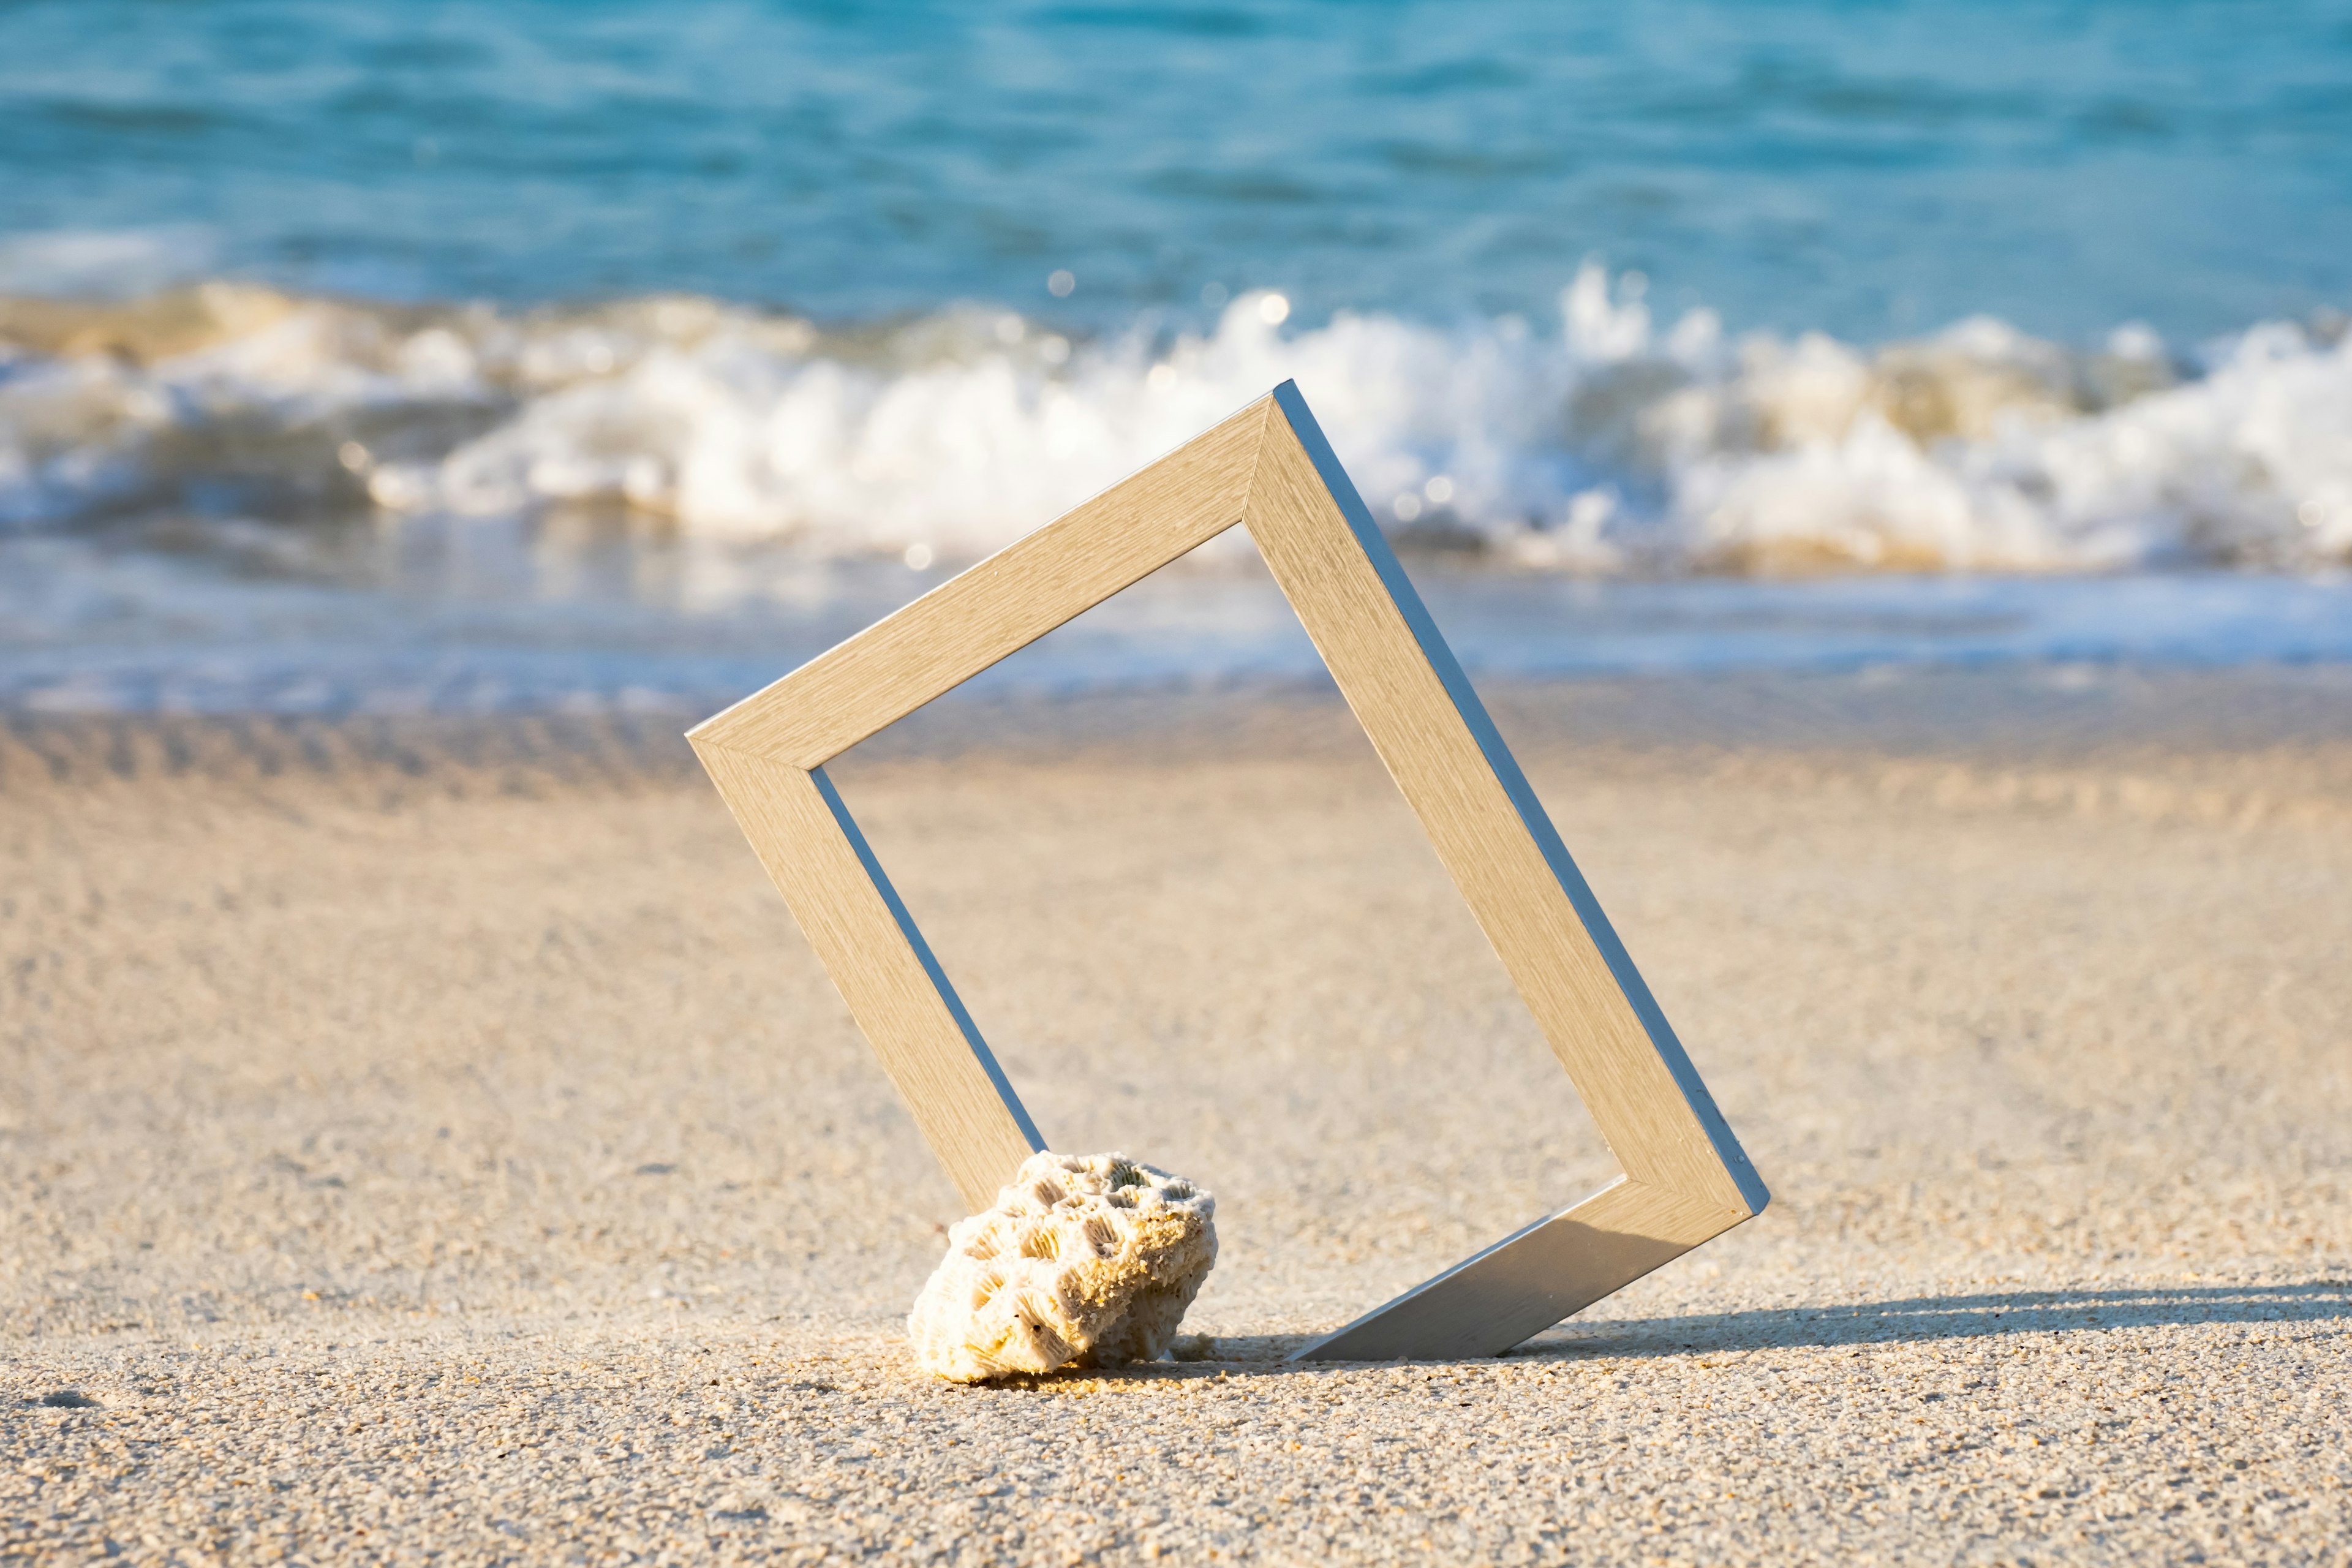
(1202, 926)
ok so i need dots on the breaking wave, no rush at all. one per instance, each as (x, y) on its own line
(1606, 444)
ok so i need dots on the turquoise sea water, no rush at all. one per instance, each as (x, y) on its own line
(1865, 170)
(566, 351)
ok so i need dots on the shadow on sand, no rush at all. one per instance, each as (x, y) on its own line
(1909, 1319)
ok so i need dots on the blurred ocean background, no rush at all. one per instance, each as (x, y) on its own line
(509, 356)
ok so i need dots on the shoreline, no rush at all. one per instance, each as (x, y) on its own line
(2036, 711)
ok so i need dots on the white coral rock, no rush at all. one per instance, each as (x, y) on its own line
(1086, 1260)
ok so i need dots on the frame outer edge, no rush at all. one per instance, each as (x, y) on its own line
(1748, 1190)
(1000, 605)
(885, 971)
(1532, 1278)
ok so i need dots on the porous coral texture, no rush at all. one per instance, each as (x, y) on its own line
(1085, 1260)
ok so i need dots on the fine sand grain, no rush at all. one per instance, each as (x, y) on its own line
(435, 1142)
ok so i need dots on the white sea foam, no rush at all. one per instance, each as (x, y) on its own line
(1606, 444)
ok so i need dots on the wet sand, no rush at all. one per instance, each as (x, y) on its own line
(433, 1139)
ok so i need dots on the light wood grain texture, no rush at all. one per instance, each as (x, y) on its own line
(1686, 1178)
(1001, 605)
(884, 970)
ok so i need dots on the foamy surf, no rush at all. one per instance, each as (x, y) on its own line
(1608, 444)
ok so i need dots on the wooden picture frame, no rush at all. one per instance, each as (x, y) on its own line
(1686, 1179)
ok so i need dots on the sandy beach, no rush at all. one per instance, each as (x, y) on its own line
(432, 1140)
